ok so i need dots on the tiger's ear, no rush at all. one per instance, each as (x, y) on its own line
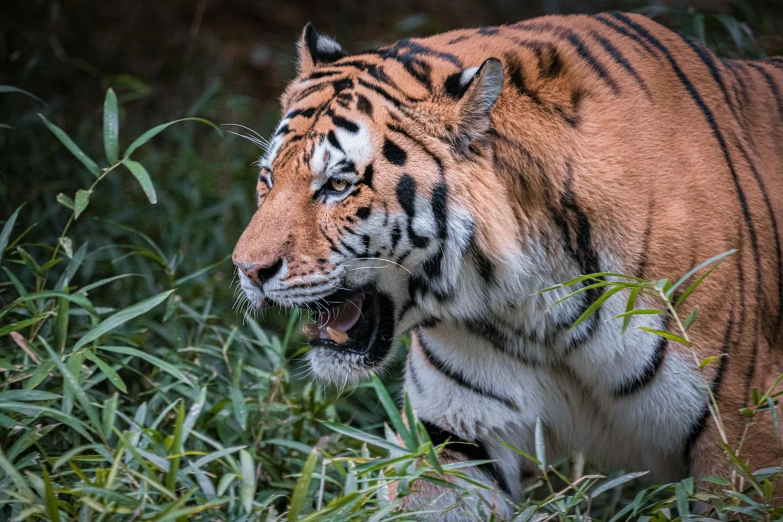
(475, 90)
(315, 49)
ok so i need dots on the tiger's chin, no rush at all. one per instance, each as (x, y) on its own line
(352, 336)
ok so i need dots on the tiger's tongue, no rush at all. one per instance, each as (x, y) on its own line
(341, 317)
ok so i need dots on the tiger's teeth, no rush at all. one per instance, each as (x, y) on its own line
(336, 335)
(310, 330)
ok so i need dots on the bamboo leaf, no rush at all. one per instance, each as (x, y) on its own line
(691, 317)
(80, 202)
(247, 490)
(163, 365)
(72, 147)
(394, 413)
(147, 136)
(611, 484)
(302, 485)
(176, 449)
(107, 370)
(143, 177)
(12, 89)
(121, 318)
(73, 383)
(65, 201)
(13, 327)
(692, 271)
(540, 445)
(364, 437)
(629, 306)
(111, 127)
(666, 335)
(593, 307)
(5, 234)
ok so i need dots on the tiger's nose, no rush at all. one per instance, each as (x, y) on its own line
(260, 274)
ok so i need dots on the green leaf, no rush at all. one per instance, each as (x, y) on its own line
(122, 317)
(540, 446)
(27, 395)
(163, 365)
(67, 245)
(109, 414)
(688, 291)
(13, 327)
(524, 454)
(394, 413)
(362, 436)
(682, 502)
(73, 382)
(176, 449)
(81, 202)
(147, 136)
(611, 484)
(596, 304)
(696, 269)
(11, 88)
(239, 406)
(5, 234)
(143, 177)
(247, 489)
(629, 306)
(302, 485)
(193, 414)
(65, 201)
(111, 127)
(49, 499)
(72, 147)
(691, 317)
(707, 360)
(666, 335)
(17, 479)
(107, 370)
(33, 410)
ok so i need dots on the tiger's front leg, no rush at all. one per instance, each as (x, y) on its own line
(471, 413)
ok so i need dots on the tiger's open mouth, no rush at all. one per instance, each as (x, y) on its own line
(352, 332)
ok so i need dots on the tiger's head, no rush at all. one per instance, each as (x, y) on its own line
(375, 207)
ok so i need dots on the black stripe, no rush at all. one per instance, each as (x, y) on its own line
(647, 375)
(411, 370)
(623, 31)
(773, 86)
(364, 105)
(421, 72)
(460, 379)
(579, 46)
(618, 57)
(304, 93)
(422, 146)
(708, 60)
(743, 98)
(322, 74)
(712, 123)
(472, 450)
(380, 90)
(344, 123)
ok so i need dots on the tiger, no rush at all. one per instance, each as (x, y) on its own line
(436, 185)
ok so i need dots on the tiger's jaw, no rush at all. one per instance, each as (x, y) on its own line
(351, 336)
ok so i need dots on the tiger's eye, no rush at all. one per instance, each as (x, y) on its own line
(338, 185)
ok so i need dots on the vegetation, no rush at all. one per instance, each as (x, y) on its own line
(129, 390)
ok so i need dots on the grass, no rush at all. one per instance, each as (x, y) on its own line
(131, 390)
